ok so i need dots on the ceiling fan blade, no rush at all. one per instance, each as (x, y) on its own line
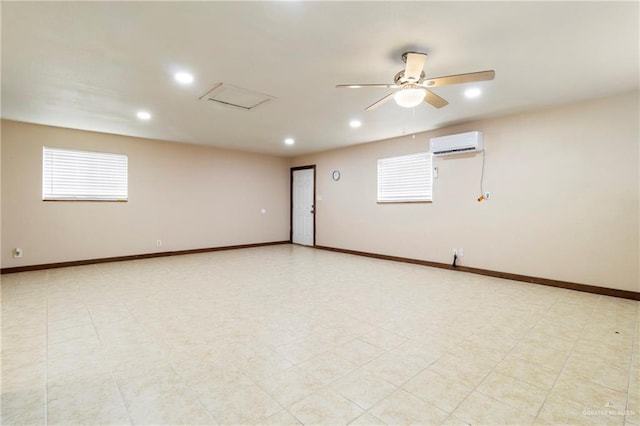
(460, 78)
(358, 86)
(379, 102)
(434, 100)
(414, 66)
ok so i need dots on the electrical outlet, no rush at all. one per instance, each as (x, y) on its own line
(158, 243)
(487, 195)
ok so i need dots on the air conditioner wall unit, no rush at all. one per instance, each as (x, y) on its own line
(462, 143)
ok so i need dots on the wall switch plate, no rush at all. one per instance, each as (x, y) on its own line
(487, 195)
(17, 252)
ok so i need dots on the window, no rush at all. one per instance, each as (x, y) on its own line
(83, 175)
(407, 178)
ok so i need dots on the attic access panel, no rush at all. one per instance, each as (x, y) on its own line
(234, 96)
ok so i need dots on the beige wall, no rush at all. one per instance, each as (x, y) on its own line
(564, 202)
(188, 196)
(564, 197)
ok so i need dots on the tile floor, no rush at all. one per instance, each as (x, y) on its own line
(289, 335)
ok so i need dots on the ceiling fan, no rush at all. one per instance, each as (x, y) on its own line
(414, 86)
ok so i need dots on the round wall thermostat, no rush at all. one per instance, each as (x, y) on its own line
(335, 175)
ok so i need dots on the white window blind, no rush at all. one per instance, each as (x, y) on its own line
(83, 175)
(407, 178)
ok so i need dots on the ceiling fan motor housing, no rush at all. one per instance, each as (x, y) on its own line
(400, 78)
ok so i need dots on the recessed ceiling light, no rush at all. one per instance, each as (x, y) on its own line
(472, 93)
(355, 123)
(289, 141)
(144, 115)
(183, 77)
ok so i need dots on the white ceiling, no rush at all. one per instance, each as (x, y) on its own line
(91, 66)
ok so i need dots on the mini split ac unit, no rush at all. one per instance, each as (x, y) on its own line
(461, 143)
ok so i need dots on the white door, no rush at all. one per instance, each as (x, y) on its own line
(302, 207)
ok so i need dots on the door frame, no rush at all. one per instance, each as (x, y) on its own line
(293, 169)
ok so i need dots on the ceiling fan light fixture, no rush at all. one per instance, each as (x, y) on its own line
(409, 98)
